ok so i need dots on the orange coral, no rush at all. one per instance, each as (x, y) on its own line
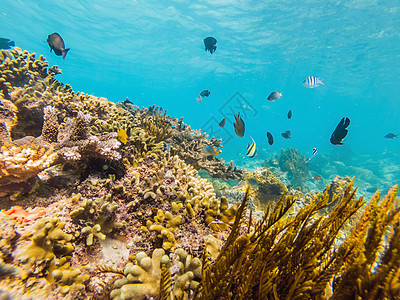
(21, 215)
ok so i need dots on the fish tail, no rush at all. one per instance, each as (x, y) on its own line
(320, 81)
(64, 52)
(11, 43)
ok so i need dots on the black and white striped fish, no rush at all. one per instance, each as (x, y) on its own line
(251, 149)
(312, 82)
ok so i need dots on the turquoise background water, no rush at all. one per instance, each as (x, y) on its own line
(153, 53)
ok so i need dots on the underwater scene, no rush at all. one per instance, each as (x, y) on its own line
(199, 149)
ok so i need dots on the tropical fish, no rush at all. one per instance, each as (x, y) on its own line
(312, 82)
(122, 136)
(251, 149)
(274, 96)
(286, 134)
(205, 93)
(167, 146)
(127, 101)
(289, 114)
(199, 99)
(56, 44)
(210, 150)
(314, 151)
(340, 132)
(391, 136)
(239, 126)
(317, 177)
(222, 123)
(253, 183)
(6, 43)
(209, 43)
(270, 138)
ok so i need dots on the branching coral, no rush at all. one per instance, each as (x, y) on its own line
(95, 217)
(142, 280)
(186, 143)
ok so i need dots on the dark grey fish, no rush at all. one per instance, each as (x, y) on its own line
(270, 138)
(205, 93)
(209, 43)
(371, 189)
(253, 183)
(340, 132)
(127, 101)
(6, 43)
(289, 114)
(56, 44)
(222, 123)
(391, 136)
(286, 134)
(239, 126)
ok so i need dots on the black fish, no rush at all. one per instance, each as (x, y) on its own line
(289, 114)
(286, 134)
(270, 138)
(127, 101)
(391, 136)
(222, 123)
(6, 43)
(239, 126)
(56, 44)
(340, 132)
(209, 43)
(205, 93)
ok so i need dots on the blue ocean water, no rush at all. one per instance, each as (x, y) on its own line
(153, 53)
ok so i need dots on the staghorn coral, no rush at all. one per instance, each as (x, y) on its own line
(184, 142)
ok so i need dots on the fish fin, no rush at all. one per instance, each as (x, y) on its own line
(346, 122)
(64, 52)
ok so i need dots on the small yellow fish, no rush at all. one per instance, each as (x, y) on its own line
(122, 136)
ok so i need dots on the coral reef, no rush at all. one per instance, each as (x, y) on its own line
(293, 163)
(121, 211)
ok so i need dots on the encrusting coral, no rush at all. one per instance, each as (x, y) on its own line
(126, 215)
